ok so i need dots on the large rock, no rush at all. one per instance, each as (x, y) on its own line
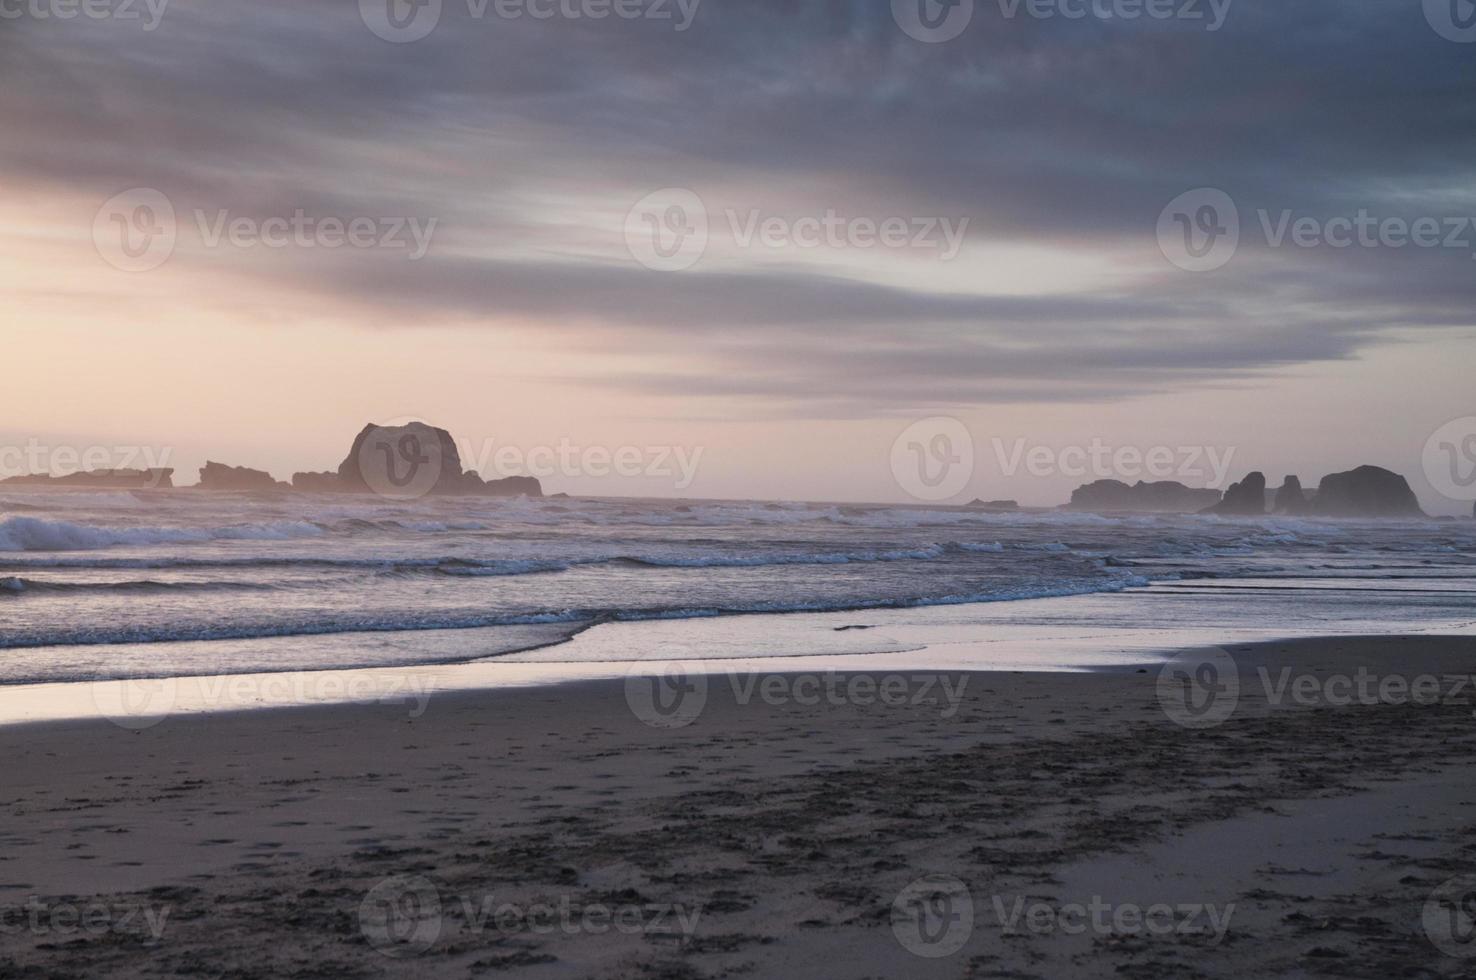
(414, 460)
(1291, 498)
(156, 478)
(218, 476)
(402, 461)
(1369, 491)
(1166, 497)
(1244, 499)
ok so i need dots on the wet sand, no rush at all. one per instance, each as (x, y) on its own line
(959, 825)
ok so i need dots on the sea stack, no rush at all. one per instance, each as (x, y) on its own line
(414, 460)
(1369, 491)
(219, 476)
(1291, 498)
(1244, 499)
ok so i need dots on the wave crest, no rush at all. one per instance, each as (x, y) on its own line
(35, 534)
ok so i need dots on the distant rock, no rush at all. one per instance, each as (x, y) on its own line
(1164, 498)
(317, 483)
(401, 461)
(151, 479)
(1291, 499)
(999, 506)
(1244, 499)
(218, 476)
(416, 459)
(1369, 491)
(513, 486)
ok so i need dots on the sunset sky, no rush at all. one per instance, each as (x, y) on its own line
(519, 146)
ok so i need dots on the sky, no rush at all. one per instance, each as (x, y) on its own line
(819, 250)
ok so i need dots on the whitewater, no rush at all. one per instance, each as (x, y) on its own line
(99, 584)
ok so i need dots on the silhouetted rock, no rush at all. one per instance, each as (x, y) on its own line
(513, 486)
(402, 461)
(416, 459)
(218, 476)
(1167, 497)
(1291, 498)
(150, 479)
(1000, 506)
(1369, 491)
(1244, 499)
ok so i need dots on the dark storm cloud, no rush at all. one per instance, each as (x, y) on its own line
(1050, 132)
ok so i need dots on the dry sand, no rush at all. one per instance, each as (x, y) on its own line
(552, 833)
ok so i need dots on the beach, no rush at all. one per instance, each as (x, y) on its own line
(897, 823)
(666, 490)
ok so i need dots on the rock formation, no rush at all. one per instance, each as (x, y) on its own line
(405, 460)
(151, 479)
(1244, 499)
(999, 506)
(512, 486)
(1166, 497)
(1291, 499)
(218, 476)
(416, 459)
(1369, 491)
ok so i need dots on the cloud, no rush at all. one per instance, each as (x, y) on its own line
(526, 138)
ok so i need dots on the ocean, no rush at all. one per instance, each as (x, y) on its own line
(99, 584)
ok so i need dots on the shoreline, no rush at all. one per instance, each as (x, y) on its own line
(1037, 634)
(793, 826)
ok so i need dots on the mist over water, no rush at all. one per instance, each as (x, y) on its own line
(117, 583)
